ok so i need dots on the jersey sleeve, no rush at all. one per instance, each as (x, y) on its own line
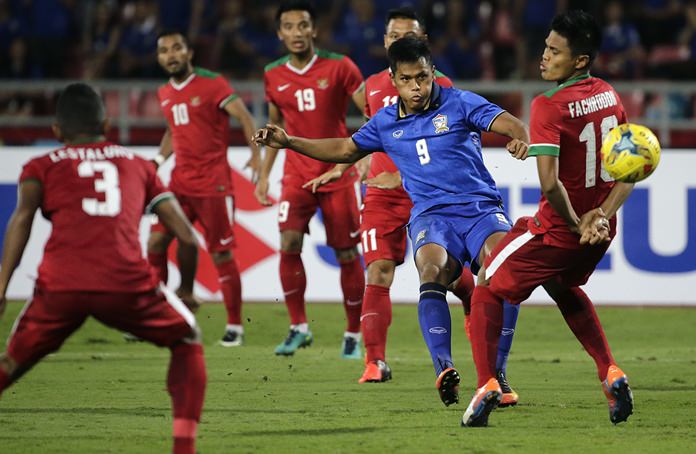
(352, 77)
(478, 111)
(155, 192)
(367, 138)
(544, 128)
(32, 170)
(224, 92)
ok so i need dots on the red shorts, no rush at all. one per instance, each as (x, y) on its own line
(49, 318)
(340, 209)
(520, 262)
(214, 214)
(383, 230)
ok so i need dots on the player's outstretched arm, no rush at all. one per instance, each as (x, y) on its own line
(238, 110)
(508, 125)
(327, 177)
(172, 217)
(339, 149)
(17, 234)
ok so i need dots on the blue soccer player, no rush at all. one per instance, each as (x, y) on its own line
(433, 135)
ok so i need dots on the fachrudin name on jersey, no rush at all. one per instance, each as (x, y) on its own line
(592, 104)
(91, 154)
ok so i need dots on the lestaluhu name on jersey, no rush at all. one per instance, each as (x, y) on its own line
(594, 103)
(91, 154)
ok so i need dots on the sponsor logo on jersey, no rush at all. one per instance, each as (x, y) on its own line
(196, 101)
(283, 87)
(354, 234)
(165, 102)
(374, 92)
(440, 123)
(421, 235)
(323, 84)
(507, 332)
(398, 133)
(226, 241)
(437, 330)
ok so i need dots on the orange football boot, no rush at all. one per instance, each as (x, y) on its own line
(510, 397)
(619, 395)
(447, 385)
(485, 400)
(376, 371)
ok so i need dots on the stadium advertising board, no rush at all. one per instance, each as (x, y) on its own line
(652, 261)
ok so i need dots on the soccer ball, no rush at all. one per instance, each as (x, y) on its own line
(630, 153)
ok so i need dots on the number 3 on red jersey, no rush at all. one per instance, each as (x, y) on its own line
(108, 185)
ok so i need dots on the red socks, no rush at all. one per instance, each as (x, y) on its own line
(231, 287)
(486, 323)
(353, 286)
(158, 262)
(294, 283)
(375, 320)
(464, 289)
(579, 313)
(186, 384)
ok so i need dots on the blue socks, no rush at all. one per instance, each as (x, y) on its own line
(510, 312)
(436, 324)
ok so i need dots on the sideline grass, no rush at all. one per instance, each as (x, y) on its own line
(101, 395)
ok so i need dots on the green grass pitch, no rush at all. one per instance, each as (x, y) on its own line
(102, 395)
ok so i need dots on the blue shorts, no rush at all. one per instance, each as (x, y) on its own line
(461, 229)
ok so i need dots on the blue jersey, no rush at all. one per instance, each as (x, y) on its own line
(437, 151)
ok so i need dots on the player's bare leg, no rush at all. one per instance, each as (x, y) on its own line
(375, 319)
(231, 287)
(579, 313)
(436, 269)
(353, 287)
(157, 246)
(294, 283)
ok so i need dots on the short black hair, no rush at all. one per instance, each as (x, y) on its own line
(402, 13)
(582, 32)
(409, 49)
(80, 111)
(296, 5)
(172, 32)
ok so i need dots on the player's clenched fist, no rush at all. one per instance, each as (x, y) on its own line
(517, 148)
(272, 136)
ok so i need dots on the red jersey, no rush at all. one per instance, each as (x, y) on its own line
(379, 93)
(570, 122)
(313, 102)
(200, 133)
(94, 195)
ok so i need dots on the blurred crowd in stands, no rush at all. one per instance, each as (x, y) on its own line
(471, 39)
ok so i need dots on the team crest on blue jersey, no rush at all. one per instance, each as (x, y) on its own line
(440, 123)
(323, 84)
